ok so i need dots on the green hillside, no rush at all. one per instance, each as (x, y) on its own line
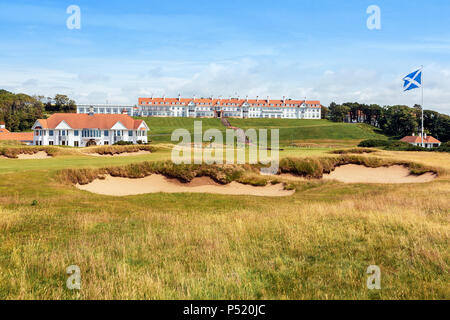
(290, 130)
(161, 128)
(295, 130)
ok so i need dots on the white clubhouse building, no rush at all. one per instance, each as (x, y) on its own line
(213, 108)
(82, 130)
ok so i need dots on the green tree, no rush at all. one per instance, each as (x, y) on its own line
(337, 113)
(61, 103)
(399, 121)
(324, 112)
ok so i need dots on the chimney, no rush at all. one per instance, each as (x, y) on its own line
(257, 98)
(91, 110)
(284, 99)
(425, 136)
(164, 97)
(267, 99)
(413, 134)
(179, 97)
(246, 98)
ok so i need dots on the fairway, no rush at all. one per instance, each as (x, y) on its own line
(315, 244)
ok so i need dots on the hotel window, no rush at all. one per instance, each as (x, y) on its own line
(106, 133)
(130, 133)
(50, 133)
(75, 133)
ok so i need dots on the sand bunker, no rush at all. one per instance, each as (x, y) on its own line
(115, 186)
(123, 154)
(352, 173)
(37, 155)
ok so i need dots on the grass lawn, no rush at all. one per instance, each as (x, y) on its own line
(161, 128)
(316, 244)
(291, 131)
(301, 130)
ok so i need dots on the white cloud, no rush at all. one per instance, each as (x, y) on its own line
(128, 80)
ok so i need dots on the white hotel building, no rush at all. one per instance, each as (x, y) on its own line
(213, 108)
(233, 108)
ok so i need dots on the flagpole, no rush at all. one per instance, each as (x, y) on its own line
(422, 105)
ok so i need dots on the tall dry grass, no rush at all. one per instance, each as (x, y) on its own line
(291, 250)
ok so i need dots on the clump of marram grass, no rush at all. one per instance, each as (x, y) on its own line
(113, 150)
(307, 167)
(353, 151)
(13, 152)
(80, 176)
(256, 180)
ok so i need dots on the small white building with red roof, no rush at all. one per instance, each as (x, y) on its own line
(82, 130)
(6, 135)
(428, 141)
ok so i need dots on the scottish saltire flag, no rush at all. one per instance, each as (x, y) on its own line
(413, 80)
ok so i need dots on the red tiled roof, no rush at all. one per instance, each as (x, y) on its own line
(17, 136)
(236, 102)
(86, 121)
(3, 130)
(418, 139)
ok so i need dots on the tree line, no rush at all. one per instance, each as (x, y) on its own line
(397, 121)
(20, 111)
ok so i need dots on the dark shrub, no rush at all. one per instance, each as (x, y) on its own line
(372, 143)
(123, 143)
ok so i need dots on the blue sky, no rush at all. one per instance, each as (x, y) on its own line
(318, 49)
